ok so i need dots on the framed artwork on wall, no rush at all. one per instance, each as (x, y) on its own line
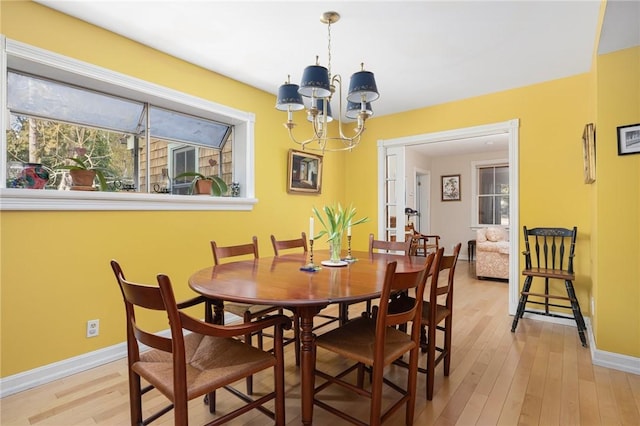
(629, 139)
(450, 187)
(304, 175)
(589, 153)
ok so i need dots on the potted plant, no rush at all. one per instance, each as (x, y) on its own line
(201, 184)
(83, 173)
(335, 221)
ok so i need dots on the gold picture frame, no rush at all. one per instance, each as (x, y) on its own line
(304, 174)
(589, 153)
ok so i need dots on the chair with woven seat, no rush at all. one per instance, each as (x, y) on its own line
(552, 259)
(437, 315)
(375, 343)
(195, 360)
(245, 311)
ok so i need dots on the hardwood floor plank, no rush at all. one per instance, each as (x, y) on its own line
(538, 375)
(569, 407)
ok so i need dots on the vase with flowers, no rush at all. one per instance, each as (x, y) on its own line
(335, 221)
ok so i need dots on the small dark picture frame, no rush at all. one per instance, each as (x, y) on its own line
(450, 187)
(629, 139)
(304, 174)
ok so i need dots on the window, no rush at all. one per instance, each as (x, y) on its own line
(101, 127)
(140, 135)
(491, 197)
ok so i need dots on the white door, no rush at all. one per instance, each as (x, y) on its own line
(392, 189)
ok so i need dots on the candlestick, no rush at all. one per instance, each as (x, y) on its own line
(310, 264)
(349, 248)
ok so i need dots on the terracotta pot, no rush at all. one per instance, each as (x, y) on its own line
(82, 178)
(202, 187)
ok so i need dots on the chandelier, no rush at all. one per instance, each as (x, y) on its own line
(319, 86)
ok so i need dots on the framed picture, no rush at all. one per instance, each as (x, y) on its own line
(304, 173)
(450, 187)
(589, 153)
(629, 139)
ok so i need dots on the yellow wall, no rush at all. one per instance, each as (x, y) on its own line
(50, 288)
(617, 289)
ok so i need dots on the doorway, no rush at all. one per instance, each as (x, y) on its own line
(396, 148)
(423, 200)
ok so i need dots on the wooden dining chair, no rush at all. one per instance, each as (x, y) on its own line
(421, 244)
(196, 359)
(389, 246)
(246, 311)
(437, 315)
(373, 344)
(294, 243)
(377, 246)
(549, 254)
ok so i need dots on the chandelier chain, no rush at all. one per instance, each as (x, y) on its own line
(329, 49)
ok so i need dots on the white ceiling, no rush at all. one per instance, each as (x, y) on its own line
(422, 52)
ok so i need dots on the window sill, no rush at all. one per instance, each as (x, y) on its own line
(42, 200)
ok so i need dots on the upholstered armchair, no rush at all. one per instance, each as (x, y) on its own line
(492, 249)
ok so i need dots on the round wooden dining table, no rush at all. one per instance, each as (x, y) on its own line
(279, 281)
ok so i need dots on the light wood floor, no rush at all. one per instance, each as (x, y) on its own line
(539, 375)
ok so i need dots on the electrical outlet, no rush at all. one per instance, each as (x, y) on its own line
(93, 328)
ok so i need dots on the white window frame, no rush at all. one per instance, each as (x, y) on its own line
(475, 165)
(36, 61)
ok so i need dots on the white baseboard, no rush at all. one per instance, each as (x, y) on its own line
(67, 367)
(613, 360)
(58, 370)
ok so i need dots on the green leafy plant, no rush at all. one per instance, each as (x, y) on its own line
(218, 185)
(335, 220)
(83, 162)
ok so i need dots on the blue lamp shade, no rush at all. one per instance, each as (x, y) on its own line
(353, 109)
(362, 87)
(319, 105)
(288, 98)
(315, 82)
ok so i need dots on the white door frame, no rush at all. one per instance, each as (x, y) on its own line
(510, 128)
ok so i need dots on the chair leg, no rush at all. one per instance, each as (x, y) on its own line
(423, 338)
(431, 362)
(522, 303)
(448, 324)
(376, 395)
(360, 376)
(577, 313)
(278, 370)
(343, 313)
(135, 399)
(210, 399)
(412, 380)
(247, 339)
